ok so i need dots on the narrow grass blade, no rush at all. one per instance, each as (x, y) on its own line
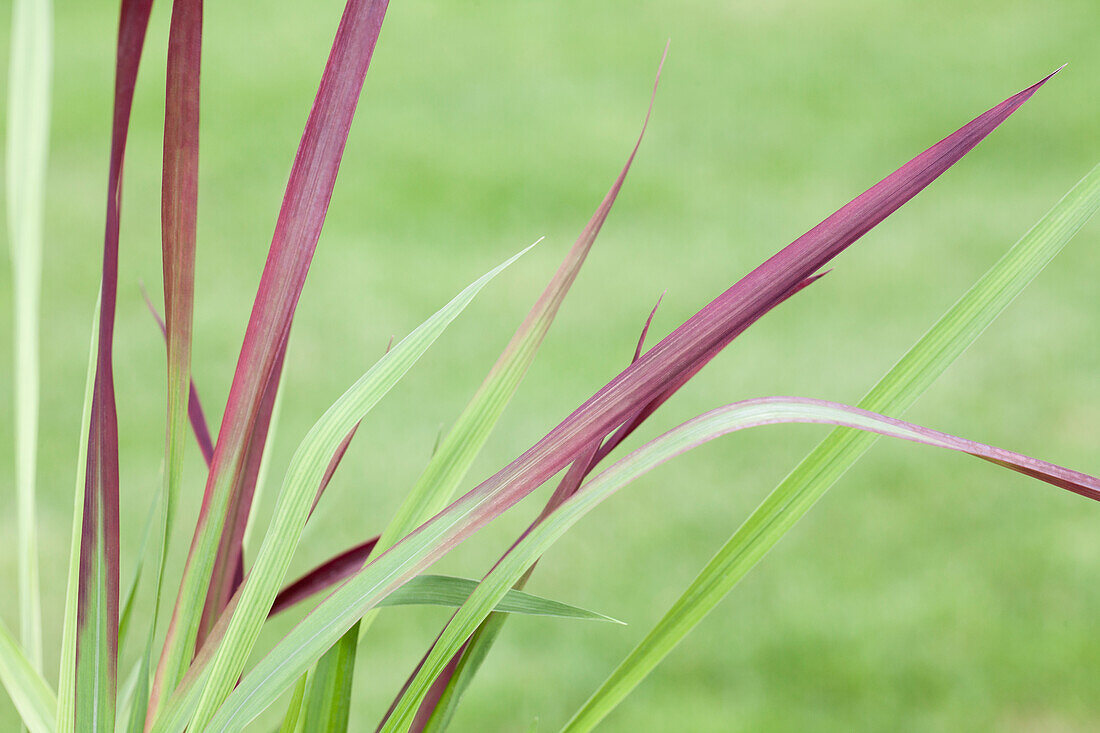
(294, 709)
(615, 403)
(98, 589)
(895, 392)
(292, 508)
(27, 146)
(66, 679)
(724, 420)
(195, 412)
(328, 699)
(179, 218)
(29, 692)
(305, 203)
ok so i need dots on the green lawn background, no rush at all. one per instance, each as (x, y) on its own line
(926, 592)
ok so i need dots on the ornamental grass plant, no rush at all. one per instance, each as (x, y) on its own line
(149, 645)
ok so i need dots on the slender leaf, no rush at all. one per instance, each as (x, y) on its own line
(27, 146)
(724, 420)
(179, 217)
(294, 709)
(895, 392)
(328, 699)
(66, 698)
(97, 598)
(306, 470)
(615, 403)
(305, 203)
(30, 693)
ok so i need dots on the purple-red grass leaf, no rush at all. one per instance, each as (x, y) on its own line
(695, 342)
(305, 203)
(179, 216)
(691, 345)
(97, 603)
(325, 575)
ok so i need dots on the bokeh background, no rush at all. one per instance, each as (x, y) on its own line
(927, 591)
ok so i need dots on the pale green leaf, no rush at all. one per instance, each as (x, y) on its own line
(27, 145)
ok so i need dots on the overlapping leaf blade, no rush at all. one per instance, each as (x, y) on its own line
(205, 690)
(724, 420)
(97, 598)
(457, 451)
(179, 218)
(637, 386)
(894, 393)
(305, 204)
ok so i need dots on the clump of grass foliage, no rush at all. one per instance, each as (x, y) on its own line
(193, 673)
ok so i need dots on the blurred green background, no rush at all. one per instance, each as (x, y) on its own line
(928, 591)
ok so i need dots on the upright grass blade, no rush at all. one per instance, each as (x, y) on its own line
(305, 203)
(895, 392)
(66, 679)
(294, 709)
(27, 145)
(208, 688)
(179, 216)
(682, 350)
(451, 461)
(328, 699)
(97, 598)
(724, 420)
(31, 694)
